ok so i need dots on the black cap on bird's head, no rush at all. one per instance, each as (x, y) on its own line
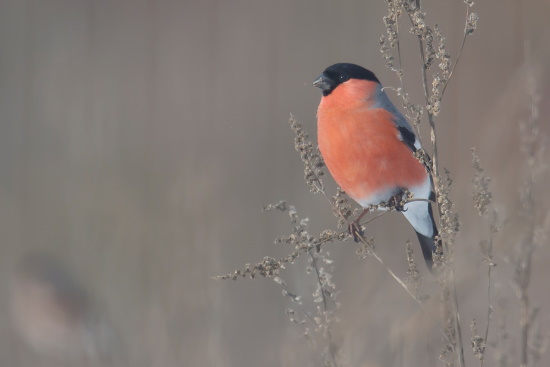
(337, 74)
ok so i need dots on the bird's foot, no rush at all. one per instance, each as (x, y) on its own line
(356, 231)
(396, 202)
(355, 228)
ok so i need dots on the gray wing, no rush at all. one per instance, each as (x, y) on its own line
(406, 133)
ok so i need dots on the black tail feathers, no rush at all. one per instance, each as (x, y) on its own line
(427, 244)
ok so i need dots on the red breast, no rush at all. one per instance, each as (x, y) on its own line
(360, 145)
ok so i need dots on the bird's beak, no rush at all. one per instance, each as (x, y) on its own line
(322, 82)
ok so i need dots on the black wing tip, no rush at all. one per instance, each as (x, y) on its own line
(408, 137)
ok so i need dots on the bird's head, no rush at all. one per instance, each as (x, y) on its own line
(340, 74)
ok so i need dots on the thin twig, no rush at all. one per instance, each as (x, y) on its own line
(435, 173)
(404, 285)
(331, 345)
(489, 307)
(459, 52)
(457, 323)
(400, 74)
(431, 120)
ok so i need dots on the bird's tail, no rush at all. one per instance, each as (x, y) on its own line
(428, 244)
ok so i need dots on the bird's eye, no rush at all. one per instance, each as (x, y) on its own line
(343, 78)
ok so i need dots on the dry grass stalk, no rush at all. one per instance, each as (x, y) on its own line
(482, 200)
(532, 344)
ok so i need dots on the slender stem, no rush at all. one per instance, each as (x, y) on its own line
(427, 98)
(435, 173)
(489, 307)
(526, 255)
(524, 304)
(402, 284)
(400, 75)
(524, 323)
(459, 52)
(298, 306)
(431, 119)
(457, 323)
(331, 345)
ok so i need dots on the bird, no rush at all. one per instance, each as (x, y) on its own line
(55, 314)
(368, 147)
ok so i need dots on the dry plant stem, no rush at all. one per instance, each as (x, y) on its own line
(525, 323)
(400, 71)
(298, 306)
(400, 75)
(530, 139)
(331, 344)
(430, 115)
(251, 272)
(457, 323)
(388, 269)
(435, 173)
(433, 135)
(459, 52)
(523, 282)
(404, 285)
(489, 307)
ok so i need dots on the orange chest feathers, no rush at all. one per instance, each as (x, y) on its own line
(363, 152)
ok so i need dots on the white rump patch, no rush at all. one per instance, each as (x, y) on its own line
(377, 198)
(417, 212)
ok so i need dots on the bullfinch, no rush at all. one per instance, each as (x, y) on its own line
(368, 147)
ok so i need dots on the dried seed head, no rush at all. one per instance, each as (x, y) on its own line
(478, 343)
(310, 156)
(367, 248)
(413, 280)
(471, 24)
(341, 207)
(482, 197)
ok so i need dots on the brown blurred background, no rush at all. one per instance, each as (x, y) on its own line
(140, 139)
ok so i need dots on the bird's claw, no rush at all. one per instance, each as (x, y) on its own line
(356, 231)
(395, 202)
